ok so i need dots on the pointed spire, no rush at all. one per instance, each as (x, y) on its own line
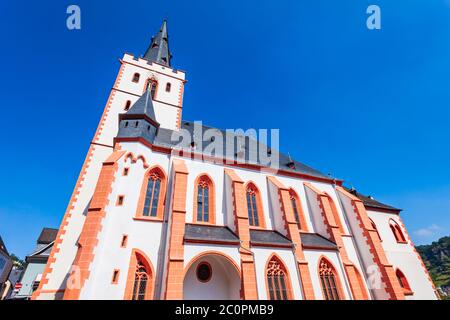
(139, 121)
(158, 51)
(143, 106)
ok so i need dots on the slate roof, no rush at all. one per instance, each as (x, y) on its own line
(206, 233)
(371, 202)
(143, 106)
(271, 237)
(170, 138)
(158, 51)
(47, 236)
(314, 240)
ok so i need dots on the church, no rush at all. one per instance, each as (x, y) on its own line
(157, 213)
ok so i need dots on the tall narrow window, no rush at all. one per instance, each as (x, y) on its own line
(403, 282)
(168, 86)
(140, 278)
(151, 200)
(127, 105)
(337, 219)
(297, 209)
(397, 231)
(152, 195)
(136, 77)
(140, 282)
(329, 281)
(254, 206)
(278, 283)
(204, 200)
(374, 226)
(152, 85)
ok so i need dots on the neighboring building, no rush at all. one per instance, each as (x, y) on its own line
(13, 278)
(35, 264)
(5, 268)
(151, 218)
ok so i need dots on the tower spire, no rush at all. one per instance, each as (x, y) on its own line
(158, 51)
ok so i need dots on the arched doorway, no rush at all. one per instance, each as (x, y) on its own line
(212, 276)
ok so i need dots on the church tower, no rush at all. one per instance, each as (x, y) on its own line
(147, 83)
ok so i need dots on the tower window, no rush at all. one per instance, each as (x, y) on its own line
(126, 124)
(136, 124)
(168, 86)
(136, 77)
(152, 85)
(125, 171)
(127, 105)
(119, 200)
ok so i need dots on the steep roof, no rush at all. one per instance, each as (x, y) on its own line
(47, 236)
(170, 139)
(143, 106)
(370, 202)
(158, 51)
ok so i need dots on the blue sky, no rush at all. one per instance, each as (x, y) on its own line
(371, 107)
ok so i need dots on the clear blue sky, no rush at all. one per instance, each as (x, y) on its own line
(371, 107)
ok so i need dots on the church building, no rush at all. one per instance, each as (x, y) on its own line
(157, 213)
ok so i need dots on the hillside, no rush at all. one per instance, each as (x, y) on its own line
(436, 257)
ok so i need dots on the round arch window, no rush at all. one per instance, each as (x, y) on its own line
(204, 272)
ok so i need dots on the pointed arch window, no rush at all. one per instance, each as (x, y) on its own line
(152, 85)
(139, 284)
(374, 227)
(278, 283)
(297, 209)
(204, 201)
(397, 231)
(334, 210)
(329, 281)
(151, 202)
(254, 208)
(403, 282)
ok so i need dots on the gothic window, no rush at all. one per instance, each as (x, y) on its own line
(151, 200)
(297, 209)
(337, 219)
(403, 281)
(397, 231)
(254, 206)
(374, 226)
(141, 279)
(329, 281)
(152, 195)
(152, 85)
(168, 86)
(278, 283)
(136, 77)
(204, 200)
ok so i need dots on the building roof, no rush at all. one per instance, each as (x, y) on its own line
(170, 139)
(316, 241)
(370, 202)
(47, 236)
(143, 106)
(3, 247)
(269, 237)
(204, 233)
(158, 51)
